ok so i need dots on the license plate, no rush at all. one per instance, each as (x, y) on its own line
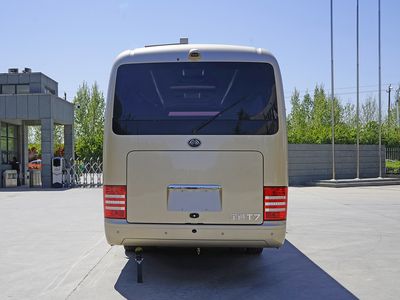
(194, 198)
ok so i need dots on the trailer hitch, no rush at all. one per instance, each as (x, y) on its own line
(139, 260)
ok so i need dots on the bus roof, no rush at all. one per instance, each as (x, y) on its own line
(202, 52)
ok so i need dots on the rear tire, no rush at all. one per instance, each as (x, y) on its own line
(255, 251)
(130, 248)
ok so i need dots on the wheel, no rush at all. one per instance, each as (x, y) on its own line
(133, 248)
(129, 248)
(255, 251)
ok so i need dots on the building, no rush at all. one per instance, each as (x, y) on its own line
(29, 99)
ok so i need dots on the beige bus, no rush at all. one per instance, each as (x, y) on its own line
(195, 148)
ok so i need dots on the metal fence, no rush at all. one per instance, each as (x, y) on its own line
(393, 153)
(83, 173)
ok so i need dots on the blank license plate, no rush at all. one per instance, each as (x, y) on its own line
(194, 198)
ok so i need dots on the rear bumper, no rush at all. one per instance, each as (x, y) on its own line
(268, 235)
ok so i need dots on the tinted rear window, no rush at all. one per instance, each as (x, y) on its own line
(210, 98)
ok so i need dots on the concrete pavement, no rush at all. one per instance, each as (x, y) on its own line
(351, 233)
(341, 243)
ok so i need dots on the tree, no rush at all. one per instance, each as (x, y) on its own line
(34, 142)
(320, 119)
(310, 121)
(347, 127)
(390, 128)
(89, 121)
(369, 111)
(296, 119)
(369, 131)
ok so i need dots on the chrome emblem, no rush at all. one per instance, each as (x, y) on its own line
(245, 217)
(194, 143)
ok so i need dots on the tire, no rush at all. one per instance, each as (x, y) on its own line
(255, 251)
(129, 248)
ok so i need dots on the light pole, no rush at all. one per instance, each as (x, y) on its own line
(388, 91)
(379, 95)
(333, 102)
(397, 102)
(358, 100)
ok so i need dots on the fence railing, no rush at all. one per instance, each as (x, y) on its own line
(83, 172)
(393, 153)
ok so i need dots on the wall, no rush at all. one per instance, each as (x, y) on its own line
(38, 82)
(308, 162)
(36, 107)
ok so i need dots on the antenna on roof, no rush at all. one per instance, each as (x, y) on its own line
(182, 41)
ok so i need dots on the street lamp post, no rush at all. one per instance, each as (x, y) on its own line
(389, 90)
(333, 102)
(379, 95)
(397, 102)
(358, 99)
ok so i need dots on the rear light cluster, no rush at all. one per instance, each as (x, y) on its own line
(275, 203)
(114, 199)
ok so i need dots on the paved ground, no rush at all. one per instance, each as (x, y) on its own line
(341, 243)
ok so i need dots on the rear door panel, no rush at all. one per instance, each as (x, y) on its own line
(221, 187)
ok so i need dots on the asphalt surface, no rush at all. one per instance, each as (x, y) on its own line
(341, 244)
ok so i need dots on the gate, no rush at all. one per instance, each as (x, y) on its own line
(83, 172)
(392, 161)
(393, 153)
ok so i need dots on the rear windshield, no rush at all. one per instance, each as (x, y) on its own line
(204, 98)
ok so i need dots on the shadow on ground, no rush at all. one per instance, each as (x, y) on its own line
(33, 189)
(171, 273)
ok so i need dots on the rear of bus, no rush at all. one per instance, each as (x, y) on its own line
(195, 148)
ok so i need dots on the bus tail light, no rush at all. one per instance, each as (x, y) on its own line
(114, 199)
(275, 203)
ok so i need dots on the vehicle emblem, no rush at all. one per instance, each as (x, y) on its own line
(194, 54)
(194, 143)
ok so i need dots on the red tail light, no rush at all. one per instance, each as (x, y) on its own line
(114, 199)
(275, 203)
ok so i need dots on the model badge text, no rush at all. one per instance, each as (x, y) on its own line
(246, 217)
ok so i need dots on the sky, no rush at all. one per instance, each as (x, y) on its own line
(75, 41)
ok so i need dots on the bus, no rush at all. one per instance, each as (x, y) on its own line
(195, 148)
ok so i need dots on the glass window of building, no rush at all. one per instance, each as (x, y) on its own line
(8, 89)
(3, 131)
(4, 154)
(8, 142)
(11, 131)
(48, 90)
(23, 89)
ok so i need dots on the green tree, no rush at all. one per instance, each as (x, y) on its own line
(320, 119)
(310, 121)
(390, 127)
(369, 131)
(369, 111)
(34, 142)
(296, 119)
(89, 121)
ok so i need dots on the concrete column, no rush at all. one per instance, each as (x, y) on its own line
(47, 131)
(68, 142)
